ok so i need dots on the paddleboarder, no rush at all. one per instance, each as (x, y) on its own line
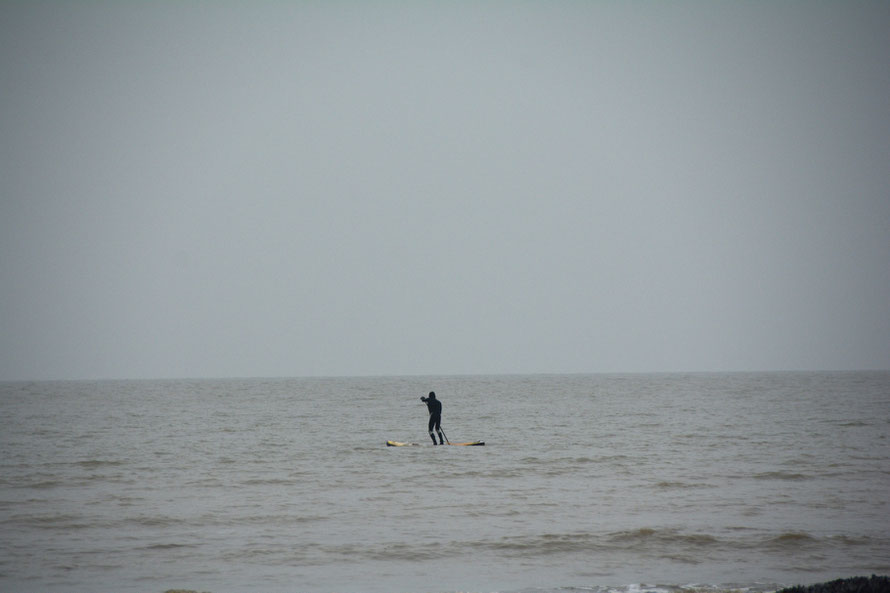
(435, 408)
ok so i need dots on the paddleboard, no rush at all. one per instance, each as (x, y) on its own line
(401, 444)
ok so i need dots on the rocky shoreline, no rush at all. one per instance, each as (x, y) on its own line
(873, 584)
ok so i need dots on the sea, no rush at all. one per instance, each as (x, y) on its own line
(599, 483)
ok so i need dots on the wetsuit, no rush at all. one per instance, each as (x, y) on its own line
(435, 408)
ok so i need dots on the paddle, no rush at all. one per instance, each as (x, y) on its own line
(444, 435)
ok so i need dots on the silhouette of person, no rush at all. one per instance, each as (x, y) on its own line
(435, 408)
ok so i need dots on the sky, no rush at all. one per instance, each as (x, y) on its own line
(242, 189)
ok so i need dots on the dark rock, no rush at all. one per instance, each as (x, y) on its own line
(875, 584)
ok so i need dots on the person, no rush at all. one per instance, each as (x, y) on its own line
(435, 408)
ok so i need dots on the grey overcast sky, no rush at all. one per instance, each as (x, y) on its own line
(201, 189)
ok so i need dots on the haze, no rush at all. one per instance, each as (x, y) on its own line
(219, 189)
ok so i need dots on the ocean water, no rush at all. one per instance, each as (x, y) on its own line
(586, 483)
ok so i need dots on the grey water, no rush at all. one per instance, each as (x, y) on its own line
(586, 482)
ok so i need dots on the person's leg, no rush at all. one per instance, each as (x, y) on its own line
(439, 429)
(431, 425)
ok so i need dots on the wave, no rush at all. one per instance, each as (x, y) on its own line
(60, 521)
(543, 545)
(163, 547)
(798, 540)
(386, 552)
(575, 460)
(694, 547)
(780, 475)
(849, 540)
(270, 482)
(793, 537)
(667, 485)
(97, 463)
(485, 473)
(659, 541)
(146, 521)
(42, 484)
(673, 544)
(660, 537)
